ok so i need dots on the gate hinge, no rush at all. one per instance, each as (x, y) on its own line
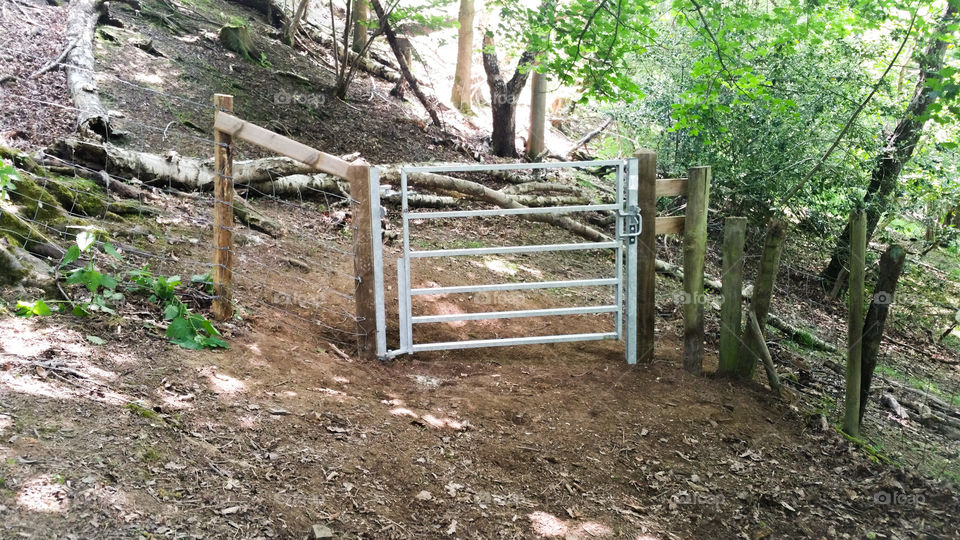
(631, 224)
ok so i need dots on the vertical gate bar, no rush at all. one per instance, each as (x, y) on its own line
(632, 199)
(378, 284)
(619, 261)
(404, 290)
(403, 300)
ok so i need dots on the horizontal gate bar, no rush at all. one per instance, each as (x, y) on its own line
(503, 342)
(515, 286)
(513, 249)
(484, 315)
(513, 211)
(514, 166)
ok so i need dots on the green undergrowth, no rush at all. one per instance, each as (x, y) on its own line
(101, 288)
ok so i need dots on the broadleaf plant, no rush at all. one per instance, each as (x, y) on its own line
(186, 329)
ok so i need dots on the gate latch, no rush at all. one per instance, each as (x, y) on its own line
(632, 227)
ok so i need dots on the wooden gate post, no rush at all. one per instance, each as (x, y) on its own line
(222, 274)
(365, 297)
(734, 235)
(694, 252)
(646, 254)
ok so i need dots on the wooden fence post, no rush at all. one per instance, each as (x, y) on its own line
(646, 254)
(365, 297)
(858, 248)
(763, 292)
(694, 252)
(222, 274)
(734, 235)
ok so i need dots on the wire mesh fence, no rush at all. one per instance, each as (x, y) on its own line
(300, 273)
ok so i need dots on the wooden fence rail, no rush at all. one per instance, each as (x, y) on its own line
(228, 127)
(693, 227)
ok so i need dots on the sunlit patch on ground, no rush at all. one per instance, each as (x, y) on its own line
(44, 494)
(403, 411)
(176, 401)
(26, 384)
(249, 421)
(149, 78)
(547, 525)
(507, 268)
(444, 307)
(434, 421)
(26, 338)
(32, 385)
(222, 383)
(330, 392)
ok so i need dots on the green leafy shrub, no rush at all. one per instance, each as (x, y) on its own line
(7, 174)
(186, 329)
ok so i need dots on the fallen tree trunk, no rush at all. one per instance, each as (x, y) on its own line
(588, 137)
(194, 173)
(498, 198)
(281, 176)
(92, 118)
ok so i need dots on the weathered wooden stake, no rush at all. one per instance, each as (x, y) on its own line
(694, 252)
(888, 274)
(756, 337)
(359, 177)
(858, 248)
(647, 254)
(763, 291)
(223, 216)
(734, 236)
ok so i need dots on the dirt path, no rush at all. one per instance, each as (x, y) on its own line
(279, 434)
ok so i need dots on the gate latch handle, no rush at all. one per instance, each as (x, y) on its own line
(632, 226)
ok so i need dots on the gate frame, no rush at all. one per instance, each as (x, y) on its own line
(628, 228)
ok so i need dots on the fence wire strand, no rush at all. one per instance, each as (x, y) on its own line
(316, 243)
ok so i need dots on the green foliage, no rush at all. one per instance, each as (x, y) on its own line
(420, 17)
(759, 91)
(582, 43)
(186, 329)
(30, 309)
(102, 287)
(7, 175)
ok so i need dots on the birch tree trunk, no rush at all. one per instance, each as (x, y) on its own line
(538, 115)
(92, 118)
(460, 96)
(361, 16)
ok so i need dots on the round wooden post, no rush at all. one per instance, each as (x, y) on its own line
(222, 274)
(694, 252)
(858, 248)
(734, 235)
(646, 254)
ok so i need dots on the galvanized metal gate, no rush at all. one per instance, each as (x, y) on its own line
(623, 245)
